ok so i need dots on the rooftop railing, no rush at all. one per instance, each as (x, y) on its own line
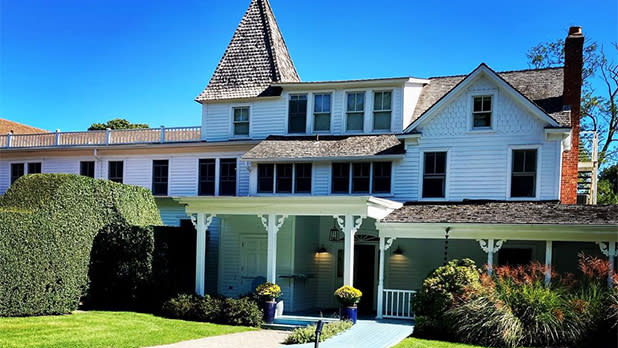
(103, 137)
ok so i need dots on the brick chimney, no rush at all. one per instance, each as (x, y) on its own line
(571, 99)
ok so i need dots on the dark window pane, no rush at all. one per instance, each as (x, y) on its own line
(382, 120)
(434, 179)
(284, 178)
(523, 178)
(86, 168)
(482, 119)
(303, 178)
(530, 161)
(160, 171)
(17, 171)
(341, 178)
(297, 114)
(34, 168)
(227, 177)
(115, 171)
(433, 187)
(382, 177)
(265, 177)
(522, 186)
(360, 177)
(206, 177)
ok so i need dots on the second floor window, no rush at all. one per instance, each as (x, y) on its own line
(227, 177)
(17, 171)
(206, 177)
(481, 113)
(382, 177)
(382, 110)
(297, 114)
(241, 121)
(115, 170)
(160, 175)
(355, 112)
(266, 177)
(321, 112)
(284, 178)
(86, 168)
(340, 178)
(361, 177)
(523, 176)
(434, 175)
(302, 178)
(34, 168)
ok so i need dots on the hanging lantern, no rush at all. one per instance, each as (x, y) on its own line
(333, 234)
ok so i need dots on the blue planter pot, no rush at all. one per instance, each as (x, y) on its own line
(349, 313)
(269, 311)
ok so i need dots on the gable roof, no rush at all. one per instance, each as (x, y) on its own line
(255, 58)
(7, 126)
(541, 87)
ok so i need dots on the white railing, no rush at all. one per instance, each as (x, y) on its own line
(398, 304)
(103, 137)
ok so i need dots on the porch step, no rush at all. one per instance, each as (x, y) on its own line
(281, 327)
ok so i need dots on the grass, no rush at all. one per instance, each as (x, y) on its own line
(96, 329)
(419, 343)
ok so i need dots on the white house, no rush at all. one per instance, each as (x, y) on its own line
(367, 182)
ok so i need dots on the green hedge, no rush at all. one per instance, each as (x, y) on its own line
(48, 224)
(243, 311)
(307, 334)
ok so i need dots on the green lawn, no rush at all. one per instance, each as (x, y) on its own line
(95, 329)
(419, 343)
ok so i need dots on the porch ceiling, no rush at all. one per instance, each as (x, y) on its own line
(364, 206)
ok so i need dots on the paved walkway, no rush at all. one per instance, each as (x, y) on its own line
(250, 339)
(368, 334)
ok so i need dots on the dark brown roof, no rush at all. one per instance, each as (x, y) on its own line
(541, 86)
(7, 126)
(314, 147)
(483, 212)
(255, 57)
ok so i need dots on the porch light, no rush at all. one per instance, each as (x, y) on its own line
(333, 234)
(398, 251)
(320, 250)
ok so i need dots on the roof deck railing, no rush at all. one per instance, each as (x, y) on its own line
(103, 137)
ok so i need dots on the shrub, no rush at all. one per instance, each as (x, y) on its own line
(241, 312)
(49, 222)
(348, 296)
(180, 307)
(229, 311)
(307, 334)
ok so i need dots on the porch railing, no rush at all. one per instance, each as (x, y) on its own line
(398, 304)
(102, 137)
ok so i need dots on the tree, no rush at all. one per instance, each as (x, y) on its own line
(608, 186)
(599, 111)
(117, 123)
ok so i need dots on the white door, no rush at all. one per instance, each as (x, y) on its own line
(253, 255)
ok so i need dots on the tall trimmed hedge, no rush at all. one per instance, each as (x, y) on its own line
(47, 226)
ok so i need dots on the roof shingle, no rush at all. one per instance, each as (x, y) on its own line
(7, 126)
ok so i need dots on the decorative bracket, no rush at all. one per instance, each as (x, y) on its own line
(207, 223)
(388, 243)
(491, 249)
(605, 248)
(280, 221)
(339, 221)
(357, 223)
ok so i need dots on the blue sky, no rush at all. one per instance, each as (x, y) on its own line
(68, 63)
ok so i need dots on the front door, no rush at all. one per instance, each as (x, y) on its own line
(364, 276)
(253, 255)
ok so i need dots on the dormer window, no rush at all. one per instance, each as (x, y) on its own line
(297, 114)
(355, 114)
(481, 113)
(241, 121)
(321, 112)
(382, 110)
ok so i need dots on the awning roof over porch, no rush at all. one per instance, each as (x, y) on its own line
(364, 206)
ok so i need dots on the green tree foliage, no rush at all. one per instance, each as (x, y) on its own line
(607, 187)
(117, 123)
(49, 222)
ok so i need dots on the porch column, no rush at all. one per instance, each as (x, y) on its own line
(272, 226)
(609, 249)
(381, 279)
(201, 222)
(349, 227)
(548, 252)
(490, 247)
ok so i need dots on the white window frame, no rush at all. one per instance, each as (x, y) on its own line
(233, 121)
(345, 110)
(197, 177)
(124, 168)
(307, 113)
(313, 113)
(373, 111)
(421, 174)
(492, 119)
(509, 171)
(350, 179)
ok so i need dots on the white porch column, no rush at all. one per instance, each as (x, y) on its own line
(609, 249)
(349, 227)
(548, 252)
(272, 226)
(490, 247)
(201, 222)
(381, 280)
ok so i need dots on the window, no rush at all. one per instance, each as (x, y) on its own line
(360, 177)
(382, 110)
(206, 177)
(241, 120)
(160, 171)
(523, 176)
(382, 177)
(481, 113)
(341, 178)
(17, 171)
(284, 178)
(34, 168)
(321, 112)
(115, 171)
(355, 111)
(302, 178)
(297, 114)
(434, 175)
(227, 177)
(266, 177)
(86, 168)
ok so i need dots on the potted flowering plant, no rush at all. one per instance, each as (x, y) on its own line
(269, 293)
(348, 297)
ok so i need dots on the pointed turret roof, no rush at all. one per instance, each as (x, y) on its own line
(255, 58)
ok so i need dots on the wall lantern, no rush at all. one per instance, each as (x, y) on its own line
(333, 234)
(398, 251)
(320, 250)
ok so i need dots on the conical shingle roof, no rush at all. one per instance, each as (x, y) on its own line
(255, 58)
